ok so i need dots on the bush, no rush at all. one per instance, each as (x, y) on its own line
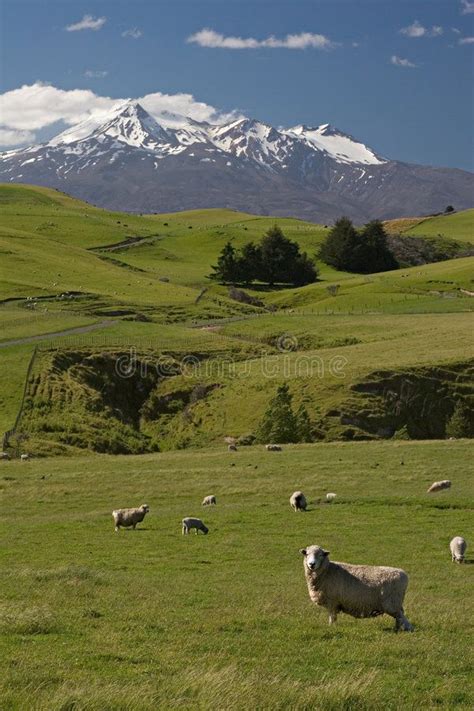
(459, 424)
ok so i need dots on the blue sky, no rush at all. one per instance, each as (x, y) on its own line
(407, 94)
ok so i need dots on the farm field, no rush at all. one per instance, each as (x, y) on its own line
(148, 619)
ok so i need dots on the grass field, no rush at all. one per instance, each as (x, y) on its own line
(458, 225)
(94, 620)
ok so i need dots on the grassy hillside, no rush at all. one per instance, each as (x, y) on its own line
(81, 279)
(150, 619)
(455, 225)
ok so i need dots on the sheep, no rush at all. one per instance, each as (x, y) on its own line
(24, 457)
(129, 517)
(4, 455)
(357, 590)
(209, 500)
(330, 497)
(439, 486)
(298, 501)
(273, 448)
(189, 522)
(231, 448)
(458, 549)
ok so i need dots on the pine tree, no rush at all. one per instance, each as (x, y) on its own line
(340, 245)
(303, 425)
(278, 255)
(372, 253)
(227, 269)
(250, 262)
(459, 424)
(279, 422)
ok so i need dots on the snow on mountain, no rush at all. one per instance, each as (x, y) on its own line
(343, 148)
(125, 159)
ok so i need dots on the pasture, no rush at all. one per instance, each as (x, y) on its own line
(149, 619)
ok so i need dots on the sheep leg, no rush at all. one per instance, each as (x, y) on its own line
(117, 528)
(134, 526)
(402, 623)
(332, 617)
(184, 530)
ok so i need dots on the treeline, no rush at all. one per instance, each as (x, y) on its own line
(275, 260)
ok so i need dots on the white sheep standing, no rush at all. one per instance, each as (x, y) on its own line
(24, 457)
(209, 500)
(439, 486)
(330, 497)
(458, 549)
(4, 455)
(298, 501)
(189, 522)
(129, 517)
(357, 590)
(273, 448)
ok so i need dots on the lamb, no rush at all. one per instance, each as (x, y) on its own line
(298, 501)
(330, 497)
(439, 486)
(24, 457)
(231, 448)
(458, 549)
(209, 500)
(4, 455)
(273, 448)
(189, 522)
(357, 590)
(129, 517)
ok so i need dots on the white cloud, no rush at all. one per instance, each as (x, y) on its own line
(209, 38)
(133, 32)
(466, 40)
(467, 7)
(399, 62)
(455, 29)
(33, 107)
(88, 22)
(416, 30)
(10, 137)
(95, 73)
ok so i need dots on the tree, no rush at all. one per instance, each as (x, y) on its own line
(303, 425)
(372, 253)
(250, 262)
(363, 252)
(281, 260)
(338, 248)
(228, 268)
(279, 422)
(459, 424)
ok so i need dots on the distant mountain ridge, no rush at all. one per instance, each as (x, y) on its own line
(129, 161)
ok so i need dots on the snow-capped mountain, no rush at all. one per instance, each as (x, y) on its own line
(127, 160)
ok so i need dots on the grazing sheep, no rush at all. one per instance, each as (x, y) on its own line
(357, 590)
(232, 448)
(458, 549)
(439, 486)
(298, 501)
(273, 448)
(4, 455)
(209, 500)
(196, 523)
(330, 497)
(129, 517)
(24, 457)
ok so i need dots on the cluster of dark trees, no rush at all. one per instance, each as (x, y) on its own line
(275, 260)
(363, 251)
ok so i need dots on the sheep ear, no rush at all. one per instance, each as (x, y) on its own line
(303, 551)
(325, 553)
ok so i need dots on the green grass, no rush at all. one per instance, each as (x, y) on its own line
(94, 620)
(458, 226)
